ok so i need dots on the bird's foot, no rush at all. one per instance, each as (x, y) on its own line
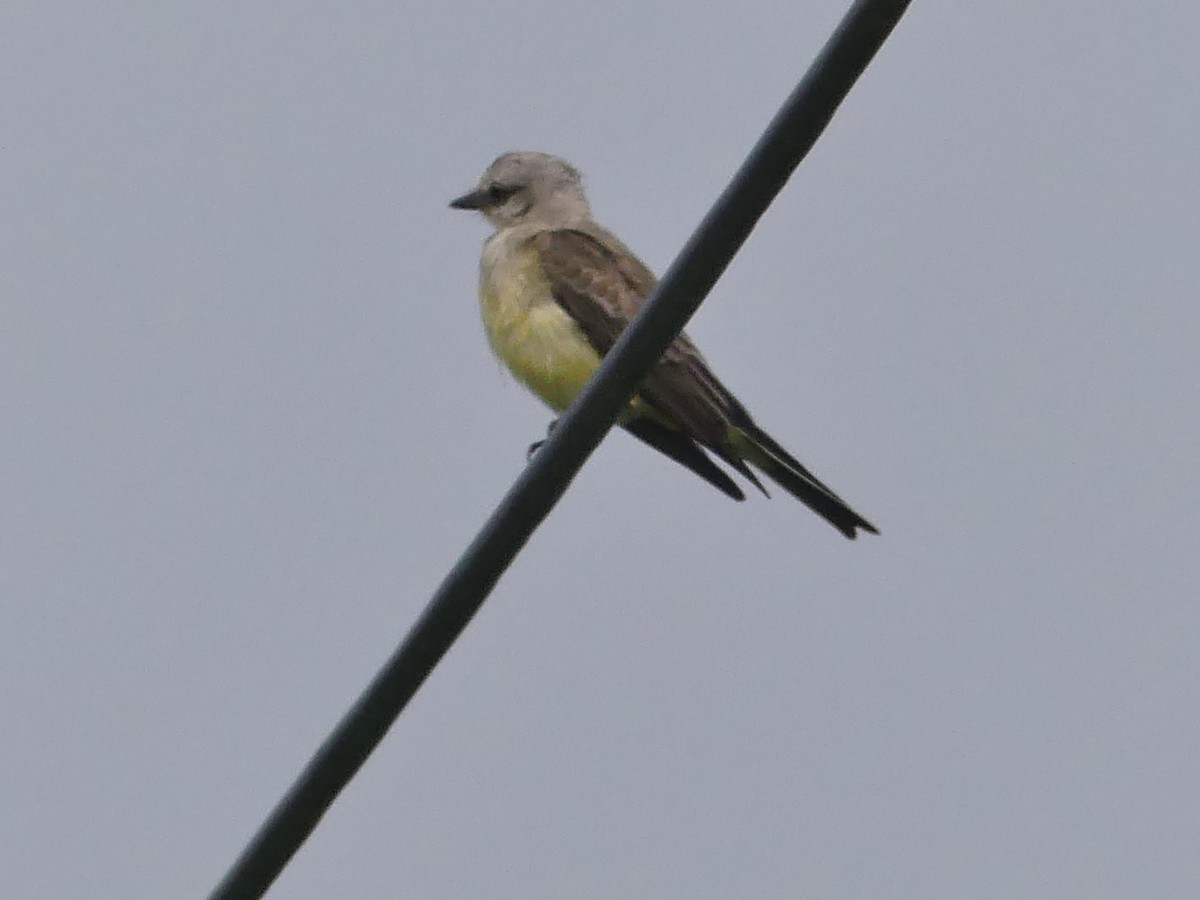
(537, 445)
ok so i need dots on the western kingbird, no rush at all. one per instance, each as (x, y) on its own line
(557, 288)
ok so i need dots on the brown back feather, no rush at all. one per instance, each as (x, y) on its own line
(602, 289)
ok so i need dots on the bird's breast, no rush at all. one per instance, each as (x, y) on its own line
(538, 341)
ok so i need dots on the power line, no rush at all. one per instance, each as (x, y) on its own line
(783, 145)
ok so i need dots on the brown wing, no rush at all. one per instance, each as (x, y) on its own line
(601, 285)
(602, 289)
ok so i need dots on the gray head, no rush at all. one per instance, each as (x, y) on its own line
(528, 186)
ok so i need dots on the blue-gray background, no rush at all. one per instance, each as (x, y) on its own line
(249, 420)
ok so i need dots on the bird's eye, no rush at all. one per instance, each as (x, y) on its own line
(498, 193)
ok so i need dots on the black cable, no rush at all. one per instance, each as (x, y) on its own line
(781, 148)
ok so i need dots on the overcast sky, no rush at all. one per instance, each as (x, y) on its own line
(250, 420)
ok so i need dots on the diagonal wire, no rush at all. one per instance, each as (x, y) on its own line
(783, 145)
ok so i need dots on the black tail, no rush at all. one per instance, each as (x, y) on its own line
(759, 449)
(684, 451)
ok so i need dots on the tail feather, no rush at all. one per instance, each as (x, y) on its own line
(686, 452)
(761, 451)
(740, 465)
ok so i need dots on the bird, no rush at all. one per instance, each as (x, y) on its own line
(556, 290)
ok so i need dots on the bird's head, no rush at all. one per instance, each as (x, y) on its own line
(525, 186)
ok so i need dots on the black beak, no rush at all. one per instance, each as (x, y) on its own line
(474, 200)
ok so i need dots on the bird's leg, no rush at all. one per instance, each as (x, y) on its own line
(537, 445)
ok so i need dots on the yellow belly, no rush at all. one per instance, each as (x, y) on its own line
(534, 336)
(546, 351)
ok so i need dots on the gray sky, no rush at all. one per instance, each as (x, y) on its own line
(250, 420)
